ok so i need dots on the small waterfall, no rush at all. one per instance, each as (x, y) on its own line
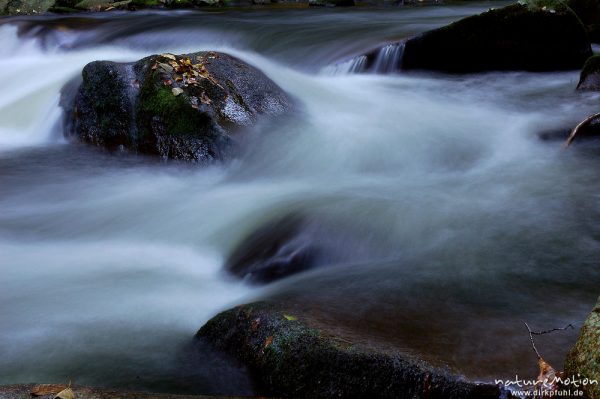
(388, 58)
(383, 60)
(354, 65)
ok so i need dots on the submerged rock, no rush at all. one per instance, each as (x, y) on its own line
(583, 361)
(276, 250)
(295, 242)
(291, 358)
(186, 107)
(590, 75)
(515, 37)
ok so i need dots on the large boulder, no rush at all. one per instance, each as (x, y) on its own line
(188, 107)
(583, 361)
(516, 37)
(293, 358)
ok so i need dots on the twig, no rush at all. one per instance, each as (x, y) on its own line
(532, 341)
(579, 126)
(532, 333)
(554, 329)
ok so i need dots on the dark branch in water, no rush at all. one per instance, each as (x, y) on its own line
(532, 333)
(554, 329)
(578, 127)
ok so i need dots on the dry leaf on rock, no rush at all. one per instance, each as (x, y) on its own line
(65, 394)
(47, 389)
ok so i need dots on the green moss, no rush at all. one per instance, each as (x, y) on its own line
(146, 3)
(162, 112)
(592, 65)
(583, 361)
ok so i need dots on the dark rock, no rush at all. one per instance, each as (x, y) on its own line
(276, 250)
(589, 13)
(291, 358)
(554, 134)
(589, 128)
(511, 38)
(186, 107)
(590, 75)
(583, 361)
(296, 242)
(25, 7)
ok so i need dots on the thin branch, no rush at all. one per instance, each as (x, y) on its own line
(554, 329)
(532, 341)
(532, 333)
(578, 127)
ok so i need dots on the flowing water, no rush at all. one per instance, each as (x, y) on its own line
(455, 221)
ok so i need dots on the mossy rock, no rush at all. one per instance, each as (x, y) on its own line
(27, 7)
(290, 358)
(516, 37)
(590, 75)
(583, 361)
(188, 112)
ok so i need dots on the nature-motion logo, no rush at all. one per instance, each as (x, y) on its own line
(556, 386)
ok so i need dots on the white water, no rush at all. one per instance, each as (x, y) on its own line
(110, 263)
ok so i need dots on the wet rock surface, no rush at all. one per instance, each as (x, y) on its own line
(292, 358)
(511, 38)
(583, 361)
(188, 107)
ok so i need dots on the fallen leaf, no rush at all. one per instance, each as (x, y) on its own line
(204, 98)
(268, 342)
(546, 383)
(65, 394)
(176, 91)
(194, 102)
(47, 389)
(167, 82)
(290, 318)
(165, 67)
(169, 56)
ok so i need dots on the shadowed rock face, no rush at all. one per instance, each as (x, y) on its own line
(584, 357)
(507, 39)
(186, 107)
(292, 359)
(510, 38)
(590, 75)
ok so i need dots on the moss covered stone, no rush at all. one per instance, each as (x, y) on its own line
(290, 358)
(516, 37)
(590, 74)
(583, 361)
(186, 107)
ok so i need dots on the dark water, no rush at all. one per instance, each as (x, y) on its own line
(451, 222)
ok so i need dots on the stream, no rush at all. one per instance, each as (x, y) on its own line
(455, 221)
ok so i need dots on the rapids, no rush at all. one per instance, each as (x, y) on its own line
(468, 223)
